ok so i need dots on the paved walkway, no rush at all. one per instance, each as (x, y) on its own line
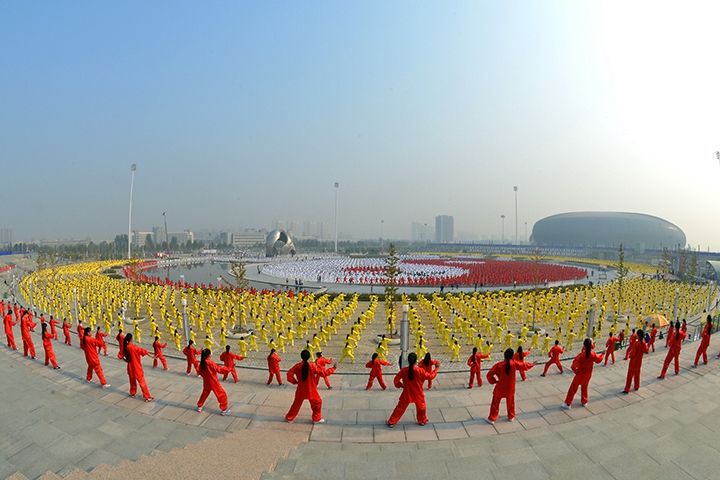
(50, 408)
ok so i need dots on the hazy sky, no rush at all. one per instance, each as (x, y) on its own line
(239, 113)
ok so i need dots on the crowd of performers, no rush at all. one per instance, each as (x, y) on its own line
(307, 373)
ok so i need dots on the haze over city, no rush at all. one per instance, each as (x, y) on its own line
(238, 115)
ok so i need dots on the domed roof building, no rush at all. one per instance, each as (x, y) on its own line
(607, 229)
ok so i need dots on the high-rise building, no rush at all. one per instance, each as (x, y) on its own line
(444, 229)
(421, 232)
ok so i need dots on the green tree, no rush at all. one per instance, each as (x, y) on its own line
(238, 271)
(391, 273)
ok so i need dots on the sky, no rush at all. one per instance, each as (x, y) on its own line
(241, 113)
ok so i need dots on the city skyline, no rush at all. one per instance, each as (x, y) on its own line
(240, 114)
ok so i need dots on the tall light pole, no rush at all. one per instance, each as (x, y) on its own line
(526, 237)
(382, 222)
(516, 219)
(337, 186)
(502, 229)
(167, 242)
(133, 167)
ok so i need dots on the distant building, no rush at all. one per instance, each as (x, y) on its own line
(140, 238)
(6, 237)
(421, 232)
(248, 238)
(444, 229)
(635, 231)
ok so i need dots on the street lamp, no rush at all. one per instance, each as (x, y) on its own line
(591, 320)
(337, 186)
(515, 189)
(167, 242)
(382, 222)
(133, 167)
(404, 333)
(502, 229)
(526, 237)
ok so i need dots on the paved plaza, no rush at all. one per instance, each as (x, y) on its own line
(56, 422)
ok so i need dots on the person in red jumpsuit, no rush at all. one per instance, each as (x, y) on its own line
(323, 363)
(273, 361)
(209, 372)
(675, 345)
(475, 364)
(53, 328)
(228, 358)
(136, 375)
(554, 355)
(81, 332)
(100, 337)
(191, 353)
(704, 342)
(633, 339)
(120, 337)
(411, 379)
(47, 346)
(610, 348)
(637, 351)
(89, 346)
(429, 365)
(582, 367)
(305, 375)
(375, 365)
(671, 329)
(27, 326)
(520, 357)
(158, 353)
(66, 331)
(9, 324)
(653, 334)
(502, 375)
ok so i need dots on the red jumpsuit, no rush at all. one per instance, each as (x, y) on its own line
(274, 368)
(120, 338)
(135, 372)
(610, 349)
(633, 339)
(475, 364)
(53, 328)
(211, 384)
(375, 367)
(434, 365)
(675, 345)
(228, 358)
(89, 346)
(66, 332)
(81, 333)
(504, 386)
(158, 351)
(653, 334)
(635, 353)
(412, 393)
(704, 344)
(323, 362)
(554, 355)
(26, 326)
(100, 337)
(517, 357)
(191, 357)
(9, 324)
(582, 366)
(47, 346)
(670, 331)
(306, 390)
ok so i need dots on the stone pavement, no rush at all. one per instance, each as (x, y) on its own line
(670, 435)
(57, 422)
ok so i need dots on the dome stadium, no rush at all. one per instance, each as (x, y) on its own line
(607, 229)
